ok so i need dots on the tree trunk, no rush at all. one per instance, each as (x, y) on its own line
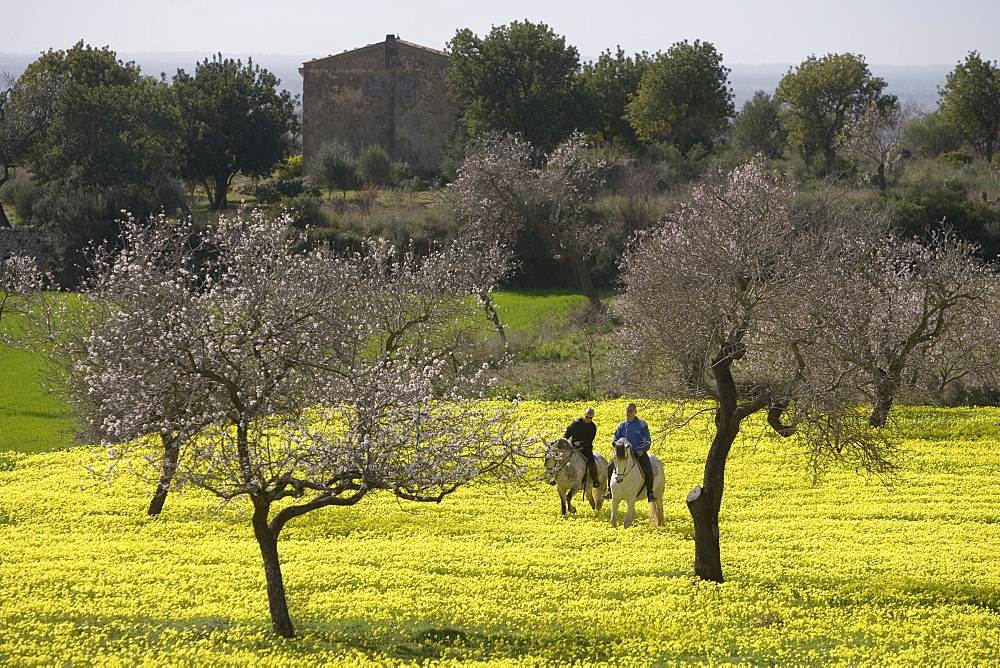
(705, 502)
(268, 542)
(583, 273)
(885, 394)
(707, 553)
(4, 222)
(221, 190)
(831, 160)
(491, 313)
(882, 185)
(171, 450)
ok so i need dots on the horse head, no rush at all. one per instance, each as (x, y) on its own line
(557, 452)
(622, 452)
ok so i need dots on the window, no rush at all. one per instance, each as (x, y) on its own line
(407, 88)
(375, 86)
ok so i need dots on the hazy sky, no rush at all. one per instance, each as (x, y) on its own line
(908, 32)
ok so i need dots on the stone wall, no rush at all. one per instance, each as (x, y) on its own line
(390, 94)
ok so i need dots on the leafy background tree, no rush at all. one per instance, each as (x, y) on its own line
(518, 79)
(820, 95)
(970, 100)
(110, 146)
(683, 97)
(24, 117)
(334, 167)
(234, 120)
(608, 85)
(757, 128)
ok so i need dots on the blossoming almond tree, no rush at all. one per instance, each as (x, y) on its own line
(322, 379)
(736, 301)
(502, 191)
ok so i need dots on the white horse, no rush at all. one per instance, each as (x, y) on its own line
(628, 485)
(567, 466)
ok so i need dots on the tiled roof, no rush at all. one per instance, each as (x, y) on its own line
(398, 41)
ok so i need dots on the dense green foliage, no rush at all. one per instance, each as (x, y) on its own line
(608, 85)
(822, 94)
(520, 78)
(970, 100)
(683, 97)
(234, 121)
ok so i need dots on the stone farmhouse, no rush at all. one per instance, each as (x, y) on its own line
(390, 94)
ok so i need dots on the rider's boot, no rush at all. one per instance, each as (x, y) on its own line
(611, 468)
(593, 474)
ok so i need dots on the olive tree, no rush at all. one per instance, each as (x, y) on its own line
(501, 190)
(970, 100)
(738, 301)
(822, 94)
(301, 379)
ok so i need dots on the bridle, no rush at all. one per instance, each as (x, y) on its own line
(632, 462)
(554, 454)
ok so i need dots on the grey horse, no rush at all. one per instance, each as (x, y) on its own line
(566, 466)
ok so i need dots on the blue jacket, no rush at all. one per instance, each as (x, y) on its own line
(637, 433)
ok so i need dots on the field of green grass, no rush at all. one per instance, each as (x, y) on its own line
(31, 418)
(846, 572)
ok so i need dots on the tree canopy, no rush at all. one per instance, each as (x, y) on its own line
(311, 380)
(683, 97)
(501, 192)
(820, 95)
(234, 120)
(519, 79)
(970, 100)
(738, 301)
(608, 84)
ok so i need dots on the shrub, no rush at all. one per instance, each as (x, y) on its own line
(955, 158)
(270, 192)
(334, 168)
(374, 166)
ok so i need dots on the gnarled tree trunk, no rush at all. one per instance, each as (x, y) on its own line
(267, 539)
(705, 502)
(171, 451)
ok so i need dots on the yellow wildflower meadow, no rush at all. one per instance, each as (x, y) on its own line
(846, 572)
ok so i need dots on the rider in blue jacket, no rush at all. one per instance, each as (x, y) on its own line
(636, 431)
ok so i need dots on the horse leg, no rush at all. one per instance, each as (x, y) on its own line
(630, 515)
(614, 509)
(562, 501)
(569, 499)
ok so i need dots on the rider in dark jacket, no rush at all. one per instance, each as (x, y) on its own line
(581, 433)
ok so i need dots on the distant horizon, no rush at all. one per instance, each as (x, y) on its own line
(915, 83)
(126, 56)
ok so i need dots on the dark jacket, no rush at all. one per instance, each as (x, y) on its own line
(583, 432)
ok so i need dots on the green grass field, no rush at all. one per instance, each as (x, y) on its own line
(31, 418)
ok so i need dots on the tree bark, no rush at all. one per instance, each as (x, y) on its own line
(831, 160)
(4, 221)
(583, 273)
(220, 202)
(705, 502)
(171, 450)
(267, 539)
